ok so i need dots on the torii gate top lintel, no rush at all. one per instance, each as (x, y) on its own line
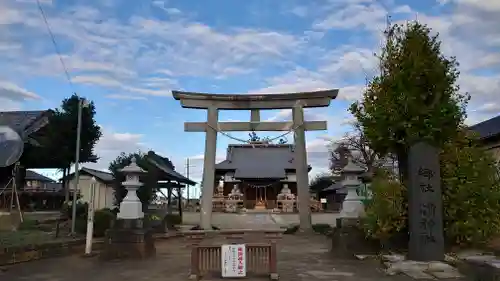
(255, 101)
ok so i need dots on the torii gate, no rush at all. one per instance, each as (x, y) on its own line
(215, 102)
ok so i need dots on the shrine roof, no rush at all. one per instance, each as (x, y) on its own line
(166, 166)
(487, 129)
(259, 161)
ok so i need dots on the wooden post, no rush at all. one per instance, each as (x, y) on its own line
(273, 262)
(169, 199)
(179, 198)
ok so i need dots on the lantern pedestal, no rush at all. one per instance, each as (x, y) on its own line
(128, 239)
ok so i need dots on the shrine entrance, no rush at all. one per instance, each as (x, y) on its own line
(294, 101)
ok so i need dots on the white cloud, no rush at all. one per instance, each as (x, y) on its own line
(112, 54)
(12, 96)
(299, 11)
(112, 144)
(13, 92)
(108, 53)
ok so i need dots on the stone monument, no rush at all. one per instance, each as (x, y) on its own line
(128, 238)
(425, 204)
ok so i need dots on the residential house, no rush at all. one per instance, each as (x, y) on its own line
(104, 193)
(489, 135)
(38, 193)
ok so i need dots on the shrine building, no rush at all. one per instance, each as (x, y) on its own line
(261, 173)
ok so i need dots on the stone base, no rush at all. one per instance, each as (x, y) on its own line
(349, 240)
(127, 239)
(481, 268)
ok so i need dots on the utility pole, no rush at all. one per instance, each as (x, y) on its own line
(81, 104)
(187, 176)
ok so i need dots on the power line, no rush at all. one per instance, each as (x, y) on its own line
(53, 38)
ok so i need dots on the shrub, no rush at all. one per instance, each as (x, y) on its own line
(102, 222)
(471, 192)
(471, 196)
(386, 212)
(81, 210)
(322, 228)
(173, 219)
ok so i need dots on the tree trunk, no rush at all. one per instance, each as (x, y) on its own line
(402, 156)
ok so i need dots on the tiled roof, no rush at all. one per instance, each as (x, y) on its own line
(487, 129)
(34, 176)
(20, 120)
(259, 161)
(337, 187)
(103, 176)
(166, 166)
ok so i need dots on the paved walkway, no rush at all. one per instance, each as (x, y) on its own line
(300, 258)
(257, 220)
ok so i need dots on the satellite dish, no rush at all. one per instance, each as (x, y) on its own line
(11, 146)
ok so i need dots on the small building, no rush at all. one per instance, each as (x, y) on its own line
(104, 192)
(489, 135)
(334, 195)
(260, 171)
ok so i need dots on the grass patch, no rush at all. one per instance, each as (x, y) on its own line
(24, 237)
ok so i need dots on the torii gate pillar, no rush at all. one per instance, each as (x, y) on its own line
(215, 102)
(209, 168)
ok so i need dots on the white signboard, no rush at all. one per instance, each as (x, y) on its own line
(323, 200)
(233, 260)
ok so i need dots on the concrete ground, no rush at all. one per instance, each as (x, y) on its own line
(300, 258)
(227, 220)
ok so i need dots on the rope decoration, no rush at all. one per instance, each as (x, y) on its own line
(249, 142)
(261, 186)
(298, 103)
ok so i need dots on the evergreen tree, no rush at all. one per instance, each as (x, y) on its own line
(414, 97)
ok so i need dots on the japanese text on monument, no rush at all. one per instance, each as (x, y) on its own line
(427, 208)
(425, 203)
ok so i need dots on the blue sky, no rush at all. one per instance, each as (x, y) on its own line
(127, 56)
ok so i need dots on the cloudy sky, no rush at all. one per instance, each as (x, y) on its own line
(127, 56)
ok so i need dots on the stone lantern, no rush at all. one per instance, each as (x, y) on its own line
(128, 238)
(131, 206)
(348, 239)
(352, 207)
